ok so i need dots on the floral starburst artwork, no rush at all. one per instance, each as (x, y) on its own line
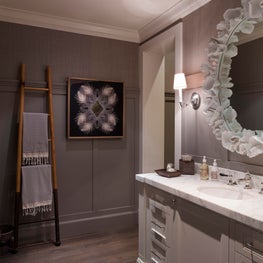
(95, 108)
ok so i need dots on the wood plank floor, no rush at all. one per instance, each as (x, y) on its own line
(120, 247)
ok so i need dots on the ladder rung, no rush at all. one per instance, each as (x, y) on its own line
(36, 89)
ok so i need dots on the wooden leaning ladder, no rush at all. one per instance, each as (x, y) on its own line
(23, 89)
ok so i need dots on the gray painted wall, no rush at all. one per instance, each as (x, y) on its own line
(96, 183)
(198, 139)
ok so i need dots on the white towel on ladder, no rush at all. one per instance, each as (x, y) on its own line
(36, 189)
(35, 138)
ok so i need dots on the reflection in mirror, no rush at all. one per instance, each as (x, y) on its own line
(220, 113)
(247, 77)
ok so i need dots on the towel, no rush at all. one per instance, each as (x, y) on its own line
(35, 138)
(36, 189)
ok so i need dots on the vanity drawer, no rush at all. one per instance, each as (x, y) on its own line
(161, 220)
(162, 233)
(159, 237)
(162, 200)
(158, 253)
(249, 243)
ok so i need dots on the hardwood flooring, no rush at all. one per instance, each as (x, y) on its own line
(120, 247)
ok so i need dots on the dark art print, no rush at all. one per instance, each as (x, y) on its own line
(95, 109)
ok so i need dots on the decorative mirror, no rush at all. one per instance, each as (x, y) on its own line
(218, 85)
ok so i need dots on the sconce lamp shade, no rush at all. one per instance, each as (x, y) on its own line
(179, 81)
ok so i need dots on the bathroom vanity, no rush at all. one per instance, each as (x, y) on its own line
(186, 220)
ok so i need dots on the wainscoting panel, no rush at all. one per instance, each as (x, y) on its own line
(96, 178)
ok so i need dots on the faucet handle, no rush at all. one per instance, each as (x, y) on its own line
(230, 180)
(247, 175)
(248, 181)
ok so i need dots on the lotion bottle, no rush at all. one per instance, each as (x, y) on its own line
(204, 170)
(214, 171)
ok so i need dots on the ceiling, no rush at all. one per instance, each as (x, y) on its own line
(131, 20)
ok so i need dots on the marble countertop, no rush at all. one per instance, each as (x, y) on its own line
(248, 211)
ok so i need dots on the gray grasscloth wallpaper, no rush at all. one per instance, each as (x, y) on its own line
(96, 182)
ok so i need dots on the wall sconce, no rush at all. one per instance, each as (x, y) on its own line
(180, 84)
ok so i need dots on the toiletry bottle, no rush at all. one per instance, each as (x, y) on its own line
(214, 171)
(204, 170)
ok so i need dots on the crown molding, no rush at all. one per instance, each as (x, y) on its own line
(59, 23)
(178, 11)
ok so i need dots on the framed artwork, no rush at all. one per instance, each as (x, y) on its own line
(95, 109)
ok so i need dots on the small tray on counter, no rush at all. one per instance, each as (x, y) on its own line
(163, 172)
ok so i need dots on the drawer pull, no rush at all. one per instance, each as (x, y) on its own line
(158, 233)
(254, 249)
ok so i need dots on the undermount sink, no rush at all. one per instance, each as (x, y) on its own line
(225, 192)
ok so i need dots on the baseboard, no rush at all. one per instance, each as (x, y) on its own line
(45, 232)
(104, 223)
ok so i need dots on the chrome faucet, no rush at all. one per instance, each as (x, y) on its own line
(248, 180)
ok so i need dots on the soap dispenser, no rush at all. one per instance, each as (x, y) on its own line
(214, 171)
(204, 170)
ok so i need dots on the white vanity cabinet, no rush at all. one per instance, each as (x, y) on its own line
(180, 224)
(247, 244)
(177, 231)
(202, 235)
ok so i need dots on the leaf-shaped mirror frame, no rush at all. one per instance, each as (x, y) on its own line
(218, 111)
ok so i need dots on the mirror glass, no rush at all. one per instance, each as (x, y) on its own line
(247, 77)
(222, 110)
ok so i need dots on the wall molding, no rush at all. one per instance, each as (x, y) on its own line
(169, 97)
(98, 213)
(59, 88)
(178, 11)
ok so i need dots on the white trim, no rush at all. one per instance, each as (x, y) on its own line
(64, 24)
(175, 33)
(178, 48)
(178, 11)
